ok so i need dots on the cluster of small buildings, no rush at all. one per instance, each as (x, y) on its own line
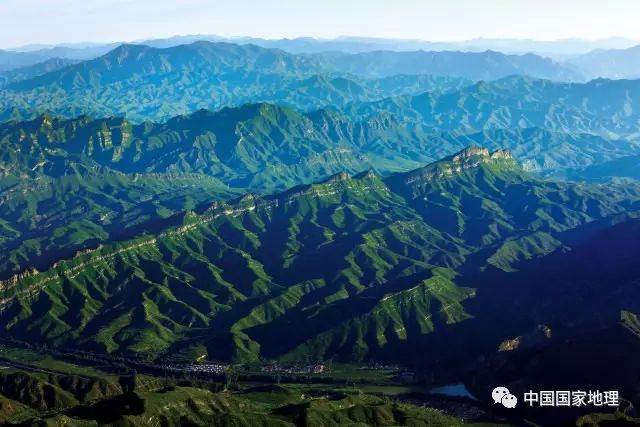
(378, 367)
(314, 368)
(196, 368)
(207, 368)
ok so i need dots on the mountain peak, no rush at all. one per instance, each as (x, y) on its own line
(128, 49)
(468, 153)
(502, 154)
(471, 157)
(473, 151)
(126, 52)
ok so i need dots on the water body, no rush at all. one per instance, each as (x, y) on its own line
(455, 390)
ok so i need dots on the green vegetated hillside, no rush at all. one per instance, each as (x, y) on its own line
(43, 392)
(70, 183)
(354, 267)
(67, 183)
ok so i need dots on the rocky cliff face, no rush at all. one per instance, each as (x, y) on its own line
(469, 153)
(469, 158)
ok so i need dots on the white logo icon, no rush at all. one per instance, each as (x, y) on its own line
(509, 401)
(503, 396)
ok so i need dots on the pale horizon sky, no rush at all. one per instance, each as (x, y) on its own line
(25, 22)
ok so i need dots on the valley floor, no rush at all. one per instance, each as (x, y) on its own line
(38, 389)
(52, 388)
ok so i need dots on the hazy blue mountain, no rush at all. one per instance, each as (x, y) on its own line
(10, 60)
(168, 82)
(31, 71)
(610, 63)
(603, 107)
(554, 49)
(348, 44)
(149, 83)
(487, 65)
(577, 59)
(31, 55)
(13, 59)
(160, 83)
(557, 49)
(78, 52)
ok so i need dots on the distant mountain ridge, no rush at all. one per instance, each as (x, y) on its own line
(627, 167)
(559, 48)
(31, 71)
(601, 107)
(161, 83)
(487, 65)
(210, 75)
(610, 63)
(580, 60)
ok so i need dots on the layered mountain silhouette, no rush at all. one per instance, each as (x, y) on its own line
(160, 83)
(610, 63)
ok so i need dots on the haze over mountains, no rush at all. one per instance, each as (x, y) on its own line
(348, 44)
(571, 53)
(215, 74)
(159, 83)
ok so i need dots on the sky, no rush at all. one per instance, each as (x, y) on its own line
(25, 22)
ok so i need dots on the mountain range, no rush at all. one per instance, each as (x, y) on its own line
(94, 180)
(146, 83)
(450, 218)
(393, 250)
(611, 63)
(167, 82)
(557, 49)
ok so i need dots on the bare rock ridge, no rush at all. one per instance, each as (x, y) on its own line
(473, 151)
(469, 158)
